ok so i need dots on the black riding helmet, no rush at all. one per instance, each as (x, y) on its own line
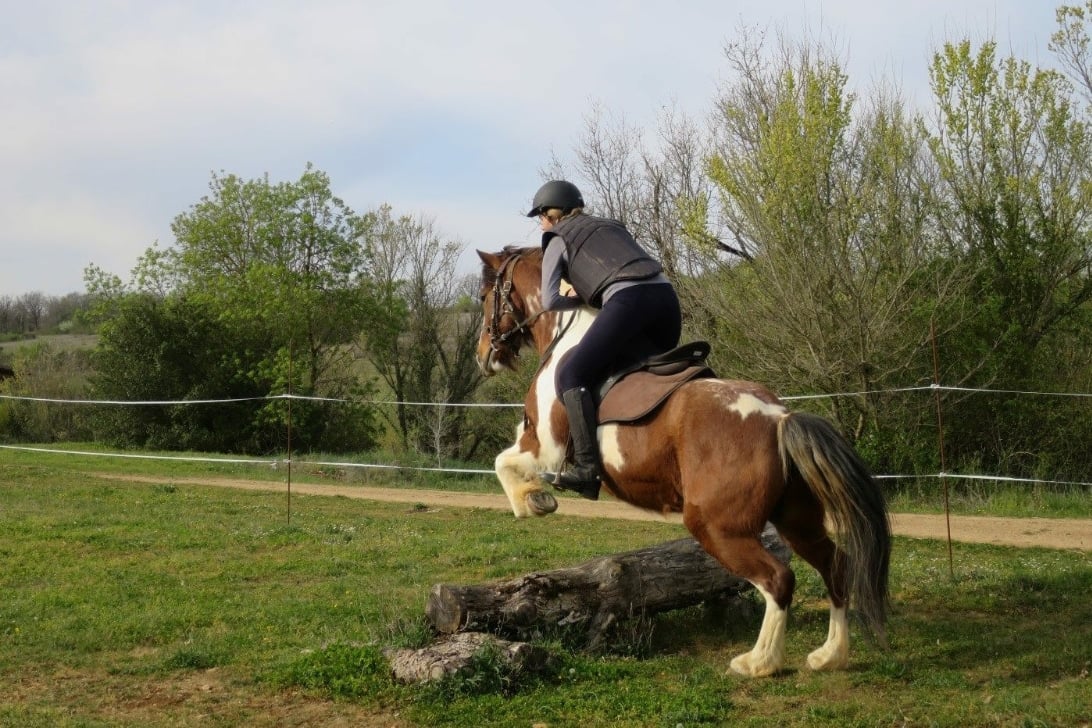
(557, 193)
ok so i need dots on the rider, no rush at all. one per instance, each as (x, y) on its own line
(638, 312)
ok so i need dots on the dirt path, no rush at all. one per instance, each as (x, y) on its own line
(1058, 533)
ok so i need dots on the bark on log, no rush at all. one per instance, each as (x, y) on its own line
(455, 653)
(594, 596)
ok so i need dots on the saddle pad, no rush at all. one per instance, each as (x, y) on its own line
(641, 392)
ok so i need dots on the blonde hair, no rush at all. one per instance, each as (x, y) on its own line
(554, 214)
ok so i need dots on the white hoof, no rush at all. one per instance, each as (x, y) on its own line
(826, 659)
(750, 665)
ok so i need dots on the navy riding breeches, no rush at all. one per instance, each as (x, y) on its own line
(635, 322)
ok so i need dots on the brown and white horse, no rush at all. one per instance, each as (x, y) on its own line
(726, 454)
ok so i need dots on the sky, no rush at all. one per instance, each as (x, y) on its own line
(115, 114)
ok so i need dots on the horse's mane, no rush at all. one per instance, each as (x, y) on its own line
(489, 274)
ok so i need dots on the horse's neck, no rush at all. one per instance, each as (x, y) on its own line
(562, 330)
(570, 326)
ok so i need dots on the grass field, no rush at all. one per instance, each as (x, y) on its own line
(61, 341)
(171, 605)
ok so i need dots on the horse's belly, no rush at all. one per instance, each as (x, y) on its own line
(638, 471)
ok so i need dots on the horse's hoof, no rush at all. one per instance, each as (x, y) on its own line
(541, 503)
(747, 665)
(828, 659)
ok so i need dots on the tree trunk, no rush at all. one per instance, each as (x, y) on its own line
(594, 596)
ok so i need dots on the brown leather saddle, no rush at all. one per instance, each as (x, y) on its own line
(638, 390)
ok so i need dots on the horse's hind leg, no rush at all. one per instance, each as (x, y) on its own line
(746, 557)
(806, 535)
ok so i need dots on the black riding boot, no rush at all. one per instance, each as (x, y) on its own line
(583, 476)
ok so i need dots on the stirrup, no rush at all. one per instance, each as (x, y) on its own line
(566, 480)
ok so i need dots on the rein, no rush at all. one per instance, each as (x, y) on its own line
(561, 331)
(502, 304)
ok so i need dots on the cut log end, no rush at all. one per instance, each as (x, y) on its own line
(445, 610)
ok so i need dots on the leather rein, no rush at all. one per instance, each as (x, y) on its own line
(502, 305)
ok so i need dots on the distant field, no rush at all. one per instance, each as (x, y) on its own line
(61, 341)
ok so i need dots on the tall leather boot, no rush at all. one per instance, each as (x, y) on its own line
(583, 476)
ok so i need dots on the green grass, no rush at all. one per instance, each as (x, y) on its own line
(10, 342)
(352, 469)
(992, 498)
(171, 605)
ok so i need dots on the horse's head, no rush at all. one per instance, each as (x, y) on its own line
(510, 305)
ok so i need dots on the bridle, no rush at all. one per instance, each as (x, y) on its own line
(503, 306)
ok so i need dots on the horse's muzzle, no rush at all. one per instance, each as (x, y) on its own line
(486, 363)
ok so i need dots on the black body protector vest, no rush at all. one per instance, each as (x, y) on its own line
(601, 252)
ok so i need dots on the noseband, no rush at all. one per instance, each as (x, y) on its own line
(502, 305)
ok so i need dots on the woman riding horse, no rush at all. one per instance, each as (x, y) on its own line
(638, 312)
(726, 454)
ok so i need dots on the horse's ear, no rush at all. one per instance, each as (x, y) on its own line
(490, 259)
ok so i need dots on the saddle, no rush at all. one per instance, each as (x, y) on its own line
(640, 388)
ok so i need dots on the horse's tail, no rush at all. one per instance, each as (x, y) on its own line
(843, 484)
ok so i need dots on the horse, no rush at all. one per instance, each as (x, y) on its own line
(728, 455)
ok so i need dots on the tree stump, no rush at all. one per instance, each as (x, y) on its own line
(594, 596)
(455, 653)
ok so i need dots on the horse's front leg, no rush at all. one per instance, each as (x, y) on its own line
(518, 471)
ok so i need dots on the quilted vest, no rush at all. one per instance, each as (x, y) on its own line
(600, 252)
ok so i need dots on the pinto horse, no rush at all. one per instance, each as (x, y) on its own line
(726, 454)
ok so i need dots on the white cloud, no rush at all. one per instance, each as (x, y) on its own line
(115, 112)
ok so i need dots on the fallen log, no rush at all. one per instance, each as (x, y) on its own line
(595, 596)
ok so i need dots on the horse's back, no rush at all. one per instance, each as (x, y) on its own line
(712, 445)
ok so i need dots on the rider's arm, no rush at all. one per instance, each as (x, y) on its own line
(554, 265)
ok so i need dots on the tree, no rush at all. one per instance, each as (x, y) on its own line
(7, 314)
(174, 348)
(1070, 44)
(830, 199)
(285, 257)
(1013, 156)
(33, 306)
(1013, 159)
(266, 277)
(650, 188)
(418, 340)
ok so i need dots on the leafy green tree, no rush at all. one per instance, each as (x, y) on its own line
(829, 199)
(1013, 156)
(263, 286)
(166, 349)
(1013, 159)
(283, 258)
